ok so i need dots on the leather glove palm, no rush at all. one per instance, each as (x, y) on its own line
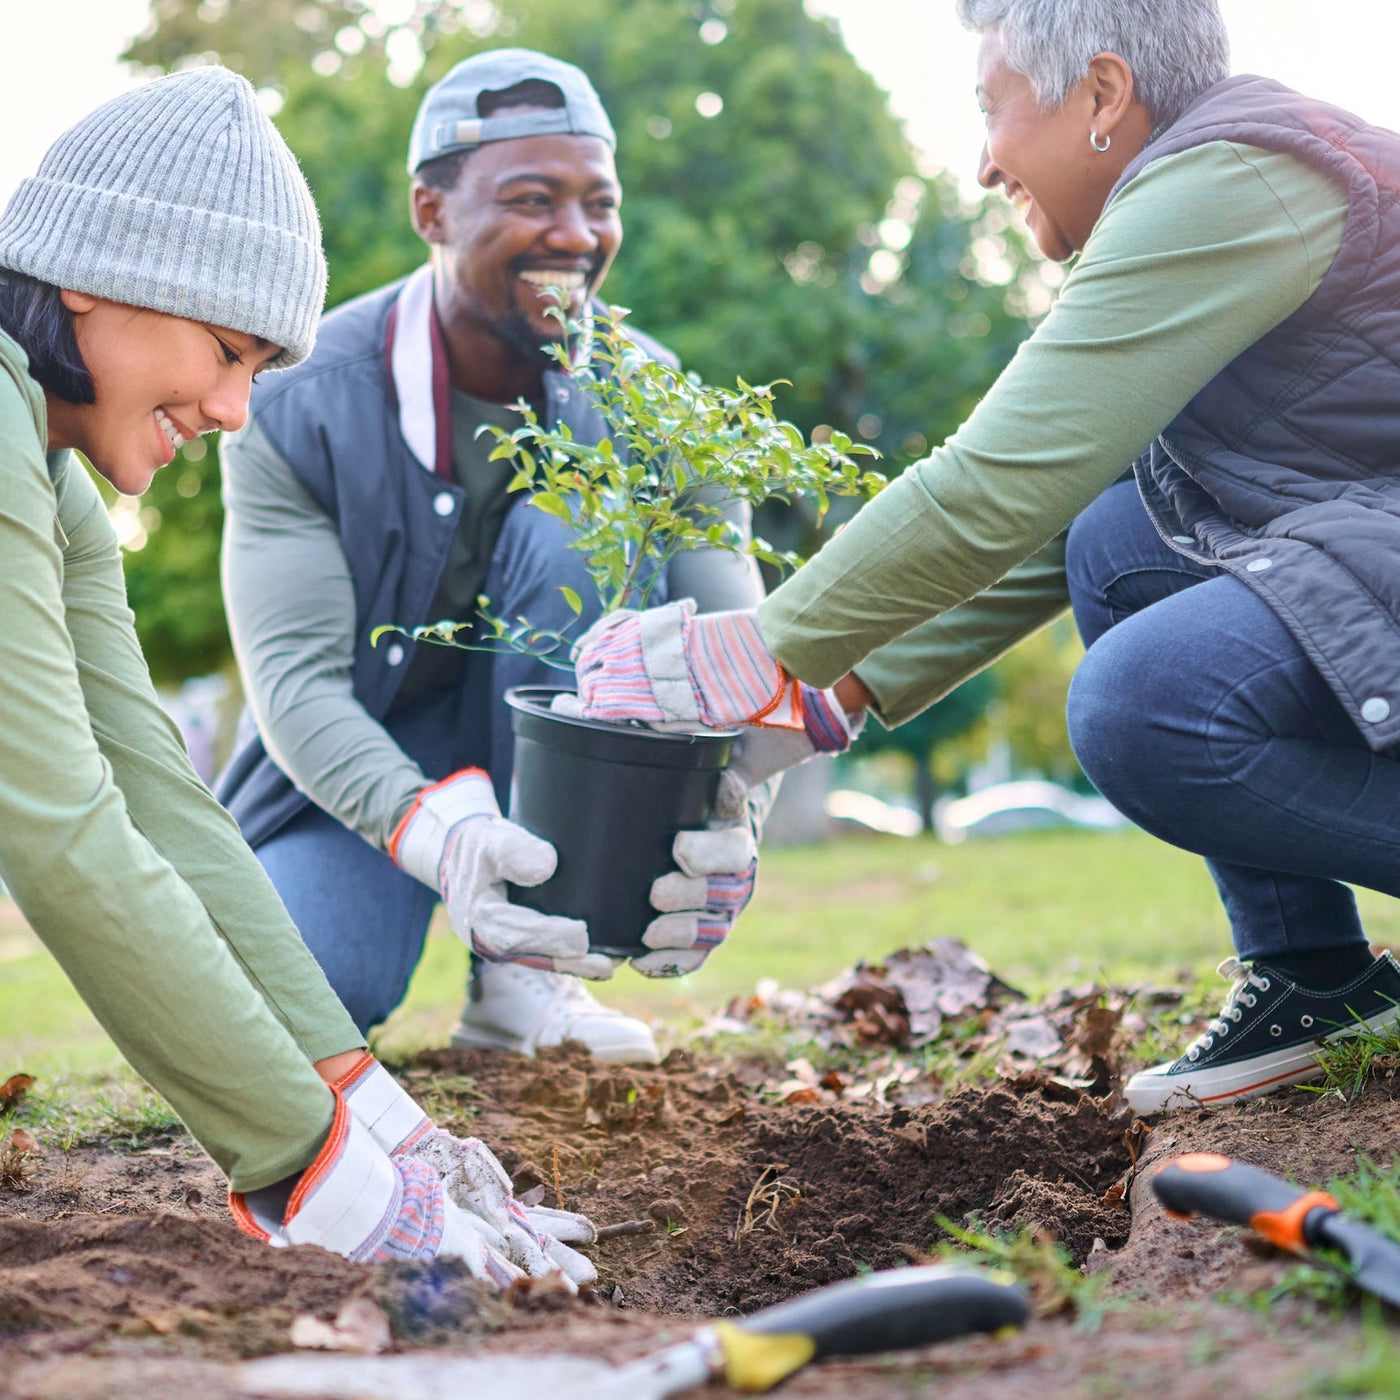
(700, 901)
(455, 839)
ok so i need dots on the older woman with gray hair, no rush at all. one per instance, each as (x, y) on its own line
(1230, 330)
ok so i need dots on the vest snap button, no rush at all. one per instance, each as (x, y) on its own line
(1375, 710)
(1183, 539)
(1257, 566)
(394, 656)
(443, 503)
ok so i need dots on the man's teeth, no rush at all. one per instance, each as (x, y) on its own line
(177, 439)
(568, 282)
(1021, 201)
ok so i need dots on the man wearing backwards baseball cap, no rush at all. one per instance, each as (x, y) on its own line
(361, 493)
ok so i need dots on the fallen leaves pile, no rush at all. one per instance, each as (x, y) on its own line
(929, 1016)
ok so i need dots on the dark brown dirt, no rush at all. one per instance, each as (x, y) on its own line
(754, 1202)
(120, 1273)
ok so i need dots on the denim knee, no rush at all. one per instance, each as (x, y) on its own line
(1115, 714)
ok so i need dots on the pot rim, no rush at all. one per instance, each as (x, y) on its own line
(535, 700)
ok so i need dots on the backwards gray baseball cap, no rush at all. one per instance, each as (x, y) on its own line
(449, 119)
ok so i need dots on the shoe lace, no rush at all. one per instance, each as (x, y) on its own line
(1244, 978)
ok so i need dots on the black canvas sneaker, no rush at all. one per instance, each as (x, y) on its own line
(1266, 1036)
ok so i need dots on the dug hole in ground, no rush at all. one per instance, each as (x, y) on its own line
(727, 1181)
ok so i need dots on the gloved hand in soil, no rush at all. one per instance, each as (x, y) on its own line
(528, 1240)
(669, 666)
(456, 841)
(360, 1201)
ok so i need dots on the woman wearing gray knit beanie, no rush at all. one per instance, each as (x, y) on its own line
(166, 251)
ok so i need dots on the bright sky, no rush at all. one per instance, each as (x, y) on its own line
(58, 61)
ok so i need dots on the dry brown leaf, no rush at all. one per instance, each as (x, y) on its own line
(1094, 1036)
(13, 1090)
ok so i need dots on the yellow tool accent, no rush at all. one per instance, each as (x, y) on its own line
(757, 1361)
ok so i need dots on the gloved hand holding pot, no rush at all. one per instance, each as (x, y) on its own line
(636, 807)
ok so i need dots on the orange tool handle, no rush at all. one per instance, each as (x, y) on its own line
(1208, 1184)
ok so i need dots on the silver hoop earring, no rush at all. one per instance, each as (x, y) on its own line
(1094, 142)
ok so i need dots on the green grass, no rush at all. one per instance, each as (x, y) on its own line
(1054, 1282)
(1045, 910)
(1349, 1061)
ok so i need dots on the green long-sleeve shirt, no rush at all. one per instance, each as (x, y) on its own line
(1193, 261)
(127, 869)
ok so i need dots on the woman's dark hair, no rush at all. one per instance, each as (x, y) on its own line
(33, 315)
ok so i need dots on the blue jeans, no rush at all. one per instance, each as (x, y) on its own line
(1199, 717)
(364, 920)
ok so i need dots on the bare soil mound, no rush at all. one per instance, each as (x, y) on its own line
(747, 1203)
(121, 1274)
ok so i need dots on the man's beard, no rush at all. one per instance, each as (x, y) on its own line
(516, 332)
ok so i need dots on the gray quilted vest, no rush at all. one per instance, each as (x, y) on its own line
(1285, 469)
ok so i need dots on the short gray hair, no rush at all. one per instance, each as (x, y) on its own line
(1176, 48)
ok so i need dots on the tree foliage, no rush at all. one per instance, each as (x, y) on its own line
(785, 235)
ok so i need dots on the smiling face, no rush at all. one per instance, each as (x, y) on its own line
(160, 381)
(1043, 160)
(523, 215)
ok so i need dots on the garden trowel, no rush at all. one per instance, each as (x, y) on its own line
(1288, 1216)
(880, 1312)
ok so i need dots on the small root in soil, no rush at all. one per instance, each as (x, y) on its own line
(766, 1195)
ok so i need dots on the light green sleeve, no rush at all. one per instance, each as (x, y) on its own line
(291, 612)
(113, 881)
(937, 656)
(1195, 260)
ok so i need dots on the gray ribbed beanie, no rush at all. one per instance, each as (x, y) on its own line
(179, 196)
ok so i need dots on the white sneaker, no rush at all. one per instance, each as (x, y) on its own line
(513, 1007)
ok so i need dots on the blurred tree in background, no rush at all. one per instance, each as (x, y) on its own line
(928, 736)
(776, 223)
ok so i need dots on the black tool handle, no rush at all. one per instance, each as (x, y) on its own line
(1242, 1195)
(895, 1309)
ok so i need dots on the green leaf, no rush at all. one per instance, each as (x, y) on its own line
(572, 599)
(551, 504)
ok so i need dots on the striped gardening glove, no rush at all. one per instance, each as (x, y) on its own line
(699, 901)
(669, 666)
(358, 1200)
(525, 1240)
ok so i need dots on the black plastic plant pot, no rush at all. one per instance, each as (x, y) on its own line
(610, 799)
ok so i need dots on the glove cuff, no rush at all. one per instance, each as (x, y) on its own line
(824, 718)
(419, 840)
(377, 1101)
(350, 1200)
